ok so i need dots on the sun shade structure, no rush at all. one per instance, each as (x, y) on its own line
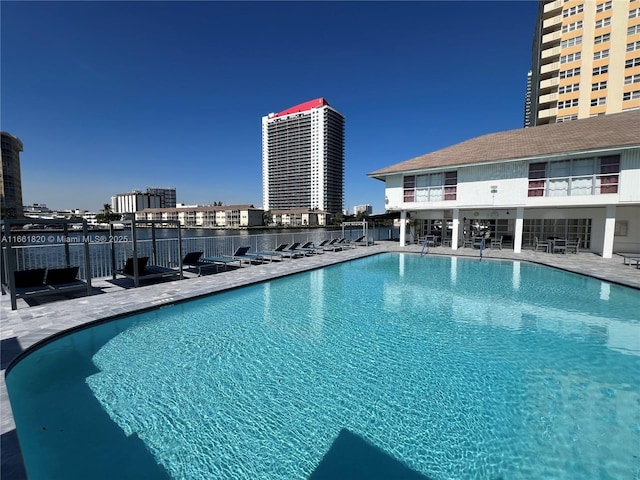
(25, 276)
(143, 263)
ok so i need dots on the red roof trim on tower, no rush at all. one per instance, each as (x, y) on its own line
(303, 107)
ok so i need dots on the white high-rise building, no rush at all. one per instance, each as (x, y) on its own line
(303, 158)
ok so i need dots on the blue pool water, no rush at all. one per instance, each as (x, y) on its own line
(392, 366)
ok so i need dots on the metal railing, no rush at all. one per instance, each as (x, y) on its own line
(166, 251)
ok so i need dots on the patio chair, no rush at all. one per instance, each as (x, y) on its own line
(495, 243)
(574, 245)
(537, 245)
(559, 246)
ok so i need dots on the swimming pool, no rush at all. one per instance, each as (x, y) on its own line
(396, 365)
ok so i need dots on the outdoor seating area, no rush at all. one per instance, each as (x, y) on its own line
(21, 280)
(136, 267)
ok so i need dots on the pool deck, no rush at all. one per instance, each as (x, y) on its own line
(28, 325)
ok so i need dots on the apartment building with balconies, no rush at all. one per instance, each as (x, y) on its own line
(586, 60)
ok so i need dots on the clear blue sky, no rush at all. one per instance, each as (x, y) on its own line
(112, 96)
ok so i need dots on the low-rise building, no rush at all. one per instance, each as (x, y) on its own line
(301, 217)
(577, 180)
(226, 216)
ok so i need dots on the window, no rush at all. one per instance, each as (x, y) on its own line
(570, 73)
(450, 185)
(634, 13)
(570, 42)
(632, 79)
(602, 38)
(633, 46)
(609, 170)
(566, 118)
(633, 30)
(568, 103)
(432, 187)
(572, 57)
(537, 175)
(598, 86)
(595, 102)
(572, 11)
(603, 22)
(569, 88)
(601, 70)
(409, 185)
(632, 62)
(631, 95)
(604, 6)
(580, 176)
(601, 54)
(570, 27)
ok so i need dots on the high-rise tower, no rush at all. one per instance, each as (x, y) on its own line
(10, 177)
(303, 158)
(586, 59)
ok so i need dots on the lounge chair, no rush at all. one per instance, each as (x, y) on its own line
(292, 251)
(192, 261)
(273, 254)
(351, 243)
(37, 282)
(332, 246)
(242, 253)
(310, 249)
(495, 243)
(146, 272)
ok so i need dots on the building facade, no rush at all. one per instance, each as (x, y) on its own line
(585, 61)
(577, 180)
(227, 216)
(301, 217)
(303, 158)
(10, 177)
(134, 201)
(167, 196)
(364, 209)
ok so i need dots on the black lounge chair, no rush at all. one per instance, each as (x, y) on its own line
(292, 251)
(192, 261)
(146, 272)
(275, 253)
(37, 282)
(242, 253)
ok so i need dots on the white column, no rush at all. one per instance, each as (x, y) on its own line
(403, 228)
(609, 229)
(517, 237)
(455, 229)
